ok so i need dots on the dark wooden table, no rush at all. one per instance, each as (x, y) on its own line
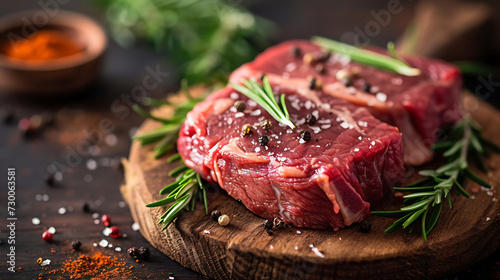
(78, 181)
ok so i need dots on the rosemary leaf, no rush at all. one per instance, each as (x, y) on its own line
(367, 57)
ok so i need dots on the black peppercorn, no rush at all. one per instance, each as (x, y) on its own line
(76, 245)
(246, 130)
(305, 135)
(295, 51)
(86, 207)
(133, 252)
(324, 56)
(268, 225)
(215, 215)
(320, 69)
(143, 253)
(266, 124)
(310, 119)
(312, 83)
(365, 226)
(347, 82)
(240, 106)
(263, 140)
(49, 179)
(366, 87)
(278, 223)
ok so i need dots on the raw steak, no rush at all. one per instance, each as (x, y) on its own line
(351, 161)
(419, 106)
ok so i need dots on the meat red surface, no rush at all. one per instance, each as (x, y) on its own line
(351, 161)
(419, 106)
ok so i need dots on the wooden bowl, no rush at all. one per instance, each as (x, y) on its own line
(57, 76)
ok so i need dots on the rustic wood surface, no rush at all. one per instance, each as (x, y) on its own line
(244, 250)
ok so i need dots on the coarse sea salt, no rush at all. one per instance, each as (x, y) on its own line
(135, 226)
(35, 221)
(52, 230)
(103, 243)
(382, 97)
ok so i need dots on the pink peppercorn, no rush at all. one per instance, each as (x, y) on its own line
(115, 232)
(47, 236)
(106, 220)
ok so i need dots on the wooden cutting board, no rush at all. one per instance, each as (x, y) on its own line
(243, 250)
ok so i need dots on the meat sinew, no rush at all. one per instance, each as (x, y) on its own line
(419, 106)
(350, 162)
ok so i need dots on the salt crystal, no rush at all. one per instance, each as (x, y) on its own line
(45, 197)
(52, 230)
(135, 226)
(35, 221)
(106, 231)
(340, 238)
(110, 245)
(351, 90)
(290, 67)
(95, 244)
(234, 95)
(206, 232)
(326, 126)
(124, 235)
(229, 121)
(95, 215)
(299, 232)
(91, 164)
(373, 143)
(96, 221)
(38, 197)
(257, 149)
(118, 249)
(472, 197)
(302, 141)
(382, 97)
(296, 248)
(121, 204)
(251, 103)
(489, 193)
(488, 219)
(315, 113)
(256, 112)
(308, 104)
(317, 252)
(362, 123)
(61, 211)
(494, 199)
(111, 140)
(271, 246)
(356, 149)
(359, 138)
(45, 262)
(103, 243)
(239, 115)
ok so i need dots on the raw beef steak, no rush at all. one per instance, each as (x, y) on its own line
(329, 181)
(419, 106)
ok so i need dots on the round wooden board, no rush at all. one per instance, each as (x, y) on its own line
(243, 250)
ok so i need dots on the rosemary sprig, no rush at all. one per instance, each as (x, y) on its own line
(203, 40)
(264, 96)
(183, 193)
(167, 134)
(424, 199)
(367, 57)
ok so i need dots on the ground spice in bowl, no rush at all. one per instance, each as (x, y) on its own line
(44, 45)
